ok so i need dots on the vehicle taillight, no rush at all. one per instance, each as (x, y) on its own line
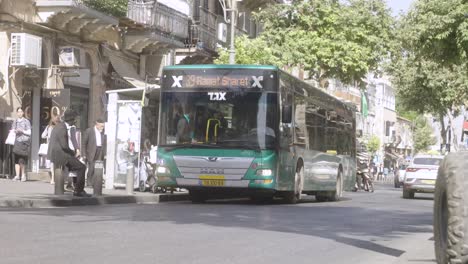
(411, 169)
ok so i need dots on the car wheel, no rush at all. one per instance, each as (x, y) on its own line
(408, 194)
(450, 203)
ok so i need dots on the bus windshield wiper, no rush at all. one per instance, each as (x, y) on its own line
(244, 144)
(179, 146)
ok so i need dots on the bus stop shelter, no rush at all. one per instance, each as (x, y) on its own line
(131, 129)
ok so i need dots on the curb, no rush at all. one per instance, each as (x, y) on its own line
(67, 201)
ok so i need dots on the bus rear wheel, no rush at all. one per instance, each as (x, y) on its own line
(294, 196)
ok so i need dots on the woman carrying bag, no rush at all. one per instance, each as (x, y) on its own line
(43, 149)
(22, 129)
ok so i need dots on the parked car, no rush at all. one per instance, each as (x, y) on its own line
(399, 177)
(421, 175)
(450, 207)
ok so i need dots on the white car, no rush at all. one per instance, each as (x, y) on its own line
(421, 175)
(400, 175)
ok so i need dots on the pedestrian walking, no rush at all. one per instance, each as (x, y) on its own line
(63, 156)
(93, 147)
(380, 172)
(22, 129)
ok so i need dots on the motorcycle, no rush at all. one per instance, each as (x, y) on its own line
(364, 180)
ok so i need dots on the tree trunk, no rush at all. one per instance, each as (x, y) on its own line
(452, 129)
(443, 131)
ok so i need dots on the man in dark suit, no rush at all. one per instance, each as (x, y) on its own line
(62, 155)
(93, 147)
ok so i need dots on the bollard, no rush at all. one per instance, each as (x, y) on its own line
(130, 175)
(58, 178)
(98, 171)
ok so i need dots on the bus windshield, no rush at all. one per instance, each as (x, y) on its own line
(225, 118)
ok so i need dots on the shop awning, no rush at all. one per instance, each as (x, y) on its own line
(126, 70)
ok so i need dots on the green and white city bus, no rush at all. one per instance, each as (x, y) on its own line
(252, 130)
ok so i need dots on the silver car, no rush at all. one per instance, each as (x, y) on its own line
(421, 175)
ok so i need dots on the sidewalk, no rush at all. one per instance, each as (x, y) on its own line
(38, 194)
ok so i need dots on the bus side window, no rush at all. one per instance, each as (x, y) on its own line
(286, 128)
(316, 126)
(331, 132)
(301, 136)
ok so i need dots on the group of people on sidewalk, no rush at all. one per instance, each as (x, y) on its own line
(63, 149)
(381, 172)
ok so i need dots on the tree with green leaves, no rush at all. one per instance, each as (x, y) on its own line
(329, 38)
(430, 63)
(423, 135)
(373, 144)
(117, 8)
(247, 52)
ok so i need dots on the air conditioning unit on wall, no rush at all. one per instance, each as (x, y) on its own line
(69, 57)
(26, 50)
(222, 32)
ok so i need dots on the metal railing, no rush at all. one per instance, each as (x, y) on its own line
(208, 20)
(203, 38)
(159, 16)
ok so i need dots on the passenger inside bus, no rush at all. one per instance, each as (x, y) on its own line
(184, 126)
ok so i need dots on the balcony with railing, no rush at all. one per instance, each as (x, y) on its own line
(205, 18)
(203, 39)
(203, 30)
(160, 17)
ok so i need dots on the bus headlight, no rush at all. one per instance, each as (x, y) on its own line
(264, 172)
(162, 170)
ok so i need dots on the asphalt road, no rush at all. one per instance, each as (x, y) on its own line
(363, 228)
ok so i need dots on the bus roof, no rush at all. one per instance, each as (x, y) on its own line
(221, 66)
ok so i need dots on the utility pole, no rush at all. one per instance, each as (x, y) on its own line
(232, 51)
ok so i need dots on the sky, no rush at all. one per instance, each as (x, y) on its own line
(398, 5)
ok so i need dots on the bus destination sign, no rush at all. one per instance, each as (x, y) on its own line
(197, 81)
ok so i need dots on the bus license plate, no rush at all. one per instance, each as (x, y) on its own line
(212, 180)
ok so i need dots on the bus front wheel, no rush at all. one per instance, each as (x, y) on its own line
(294, 196)
(338, 193)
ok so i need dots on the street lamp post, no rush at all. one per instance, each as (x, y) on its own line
(232, 50)
(231, 6)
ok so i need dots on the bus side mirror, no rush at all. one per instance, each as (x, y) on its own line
(286, 114)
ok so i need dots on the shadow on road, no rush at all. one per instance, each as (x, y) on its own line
(353, 226)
